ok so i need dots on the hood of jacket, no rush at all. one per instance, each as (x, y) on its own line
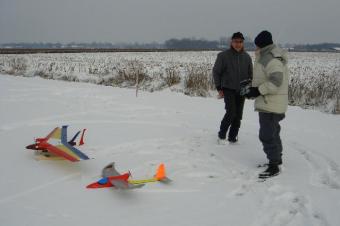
(273, 51)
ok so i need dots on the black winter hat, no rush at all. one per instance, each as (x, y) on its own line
(237, 35)
(263, 39)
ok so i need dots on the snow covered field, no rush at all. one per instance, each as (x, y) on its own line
(212, 184)
(315, 77)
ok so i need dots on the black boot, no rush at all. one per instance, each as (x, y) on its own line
(221, 135)
(271, 171)
(232, 139)
(267, 164)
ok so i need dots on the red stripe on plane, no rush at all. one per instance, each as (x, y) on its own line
(59, 152)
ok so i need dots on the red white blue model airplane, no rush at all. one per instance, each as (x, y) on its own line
(55, 144)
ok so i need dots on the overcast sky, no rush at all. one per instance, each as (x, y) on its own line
(290, 21)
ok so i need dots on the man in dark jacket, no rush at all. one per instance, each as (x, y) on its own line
(232, 68)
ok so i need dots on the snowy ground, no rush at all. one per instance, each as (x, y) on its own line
(212, 184)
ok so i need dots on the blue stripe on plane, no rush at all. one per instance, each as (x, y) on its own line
(73, 149)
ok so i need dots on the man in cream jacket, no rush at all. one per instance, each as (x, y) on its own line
(270, 90)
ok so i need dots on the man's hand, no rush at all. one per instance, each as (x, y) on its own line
(253, 92)
(220, 94)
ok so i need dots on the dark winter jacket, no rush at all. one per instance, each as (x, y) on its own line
(231, 68)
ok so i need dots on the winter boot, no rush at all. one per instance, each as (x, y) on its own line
(232, 140)
(221, 135)
(271, 171)
(221, 139)
(267, 164)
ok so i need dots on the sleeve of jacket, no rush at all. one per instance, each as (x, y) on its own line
(217, 71)
(274, 74)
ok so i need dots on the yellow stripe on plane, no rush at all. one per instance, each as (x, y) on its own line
(56, 134)
(68, 151)
(143, 181)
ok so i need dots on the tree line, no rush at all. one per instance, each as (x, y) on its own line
(173, 43)
(325, 47)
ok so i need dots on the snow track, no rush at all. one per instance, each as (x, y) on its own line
(324, 171)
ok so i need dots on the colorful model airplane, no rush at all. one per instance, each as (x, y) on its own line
(55, 144)
(111, 178)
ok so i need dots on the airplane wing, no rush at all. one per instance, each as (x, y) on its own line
(118, 180)
(110, 170)
(57, 144)
(123, 183)
(56, 133)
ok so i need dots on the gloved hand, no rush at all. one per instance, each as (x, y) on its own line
(253, 92)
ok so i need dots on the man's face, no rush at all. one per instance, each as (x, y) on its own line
(237, 44)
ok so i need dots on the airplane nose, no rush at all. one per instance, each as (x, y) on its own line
(31, 146)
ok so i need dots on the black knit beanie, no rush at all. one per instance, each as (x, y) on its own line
(263, 39)
(237, 35)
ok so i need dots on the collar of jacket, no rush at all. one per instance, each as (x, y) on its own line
(267, 49)
(272, 51)
(236, 52)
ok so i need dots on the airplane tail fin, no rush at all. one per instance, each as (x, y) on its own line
(72, 141)
(81, 142)
(161, 174)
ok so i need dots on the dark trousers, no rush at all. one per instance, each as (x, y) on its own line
(270, 135)
(234, 104)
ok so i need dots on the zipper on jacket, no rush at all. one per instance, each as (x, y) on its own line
(239, 69)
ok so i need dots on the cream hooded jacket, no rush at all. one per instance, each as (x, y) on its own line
(271, 77)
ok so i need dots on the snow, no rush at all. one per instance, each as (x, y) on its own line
(212, 184)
